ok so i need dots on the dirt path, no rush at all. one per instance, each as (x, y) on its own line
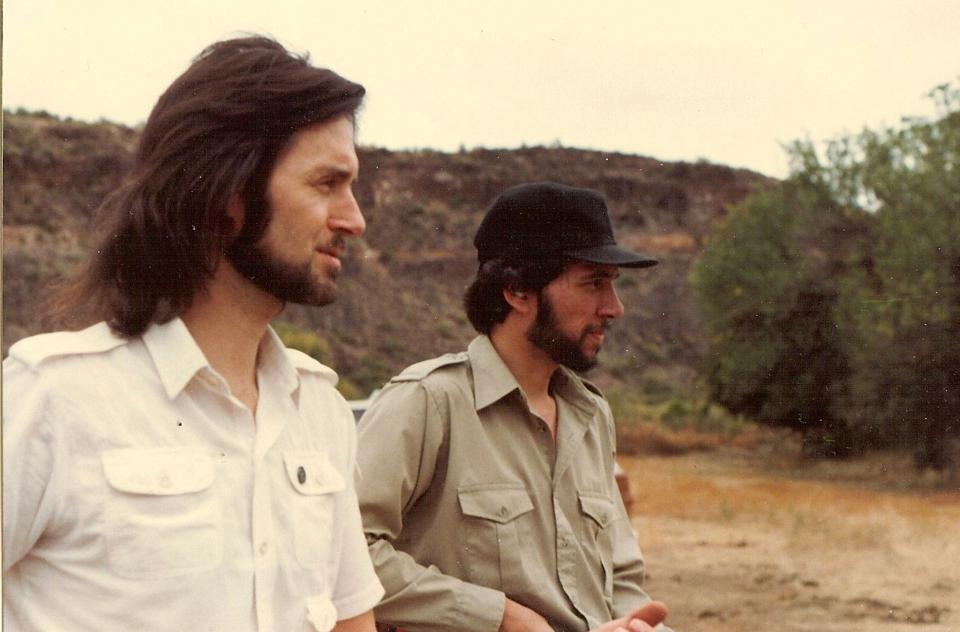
(732, 549)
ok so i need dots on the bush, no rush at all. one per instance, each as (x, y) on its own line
(305, 341)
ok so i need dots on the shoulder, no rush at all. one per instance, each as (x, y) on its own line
(434, 367)
(592, 390)
(62, 377)
(38, 350)
(591, 393)
(305, 364)
(318, 384)
(584, 387)
(324, 411)
(407, 394)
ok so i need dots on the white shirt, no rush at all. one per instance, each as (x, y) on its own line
(139, 494)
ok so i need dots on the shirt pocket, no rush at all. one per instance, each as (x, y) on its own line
(598, 514)
(493, 533)
(162, 515)
(315, 483)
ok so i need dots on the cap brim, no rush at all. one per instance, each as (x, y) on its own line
(612, 255)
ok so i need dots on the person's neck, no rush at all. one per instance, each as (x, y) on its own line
(530, 365)
(228, 320)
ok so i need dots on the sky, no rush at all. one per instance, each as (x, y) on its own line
(727, 81)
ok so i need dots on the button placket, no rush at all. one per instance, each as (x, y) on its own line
(264, 571)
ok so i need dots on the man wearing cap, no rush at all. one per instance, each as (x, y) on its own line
(487, 488)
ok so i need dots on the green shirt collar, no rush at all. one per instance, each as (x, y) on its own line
(492, 380)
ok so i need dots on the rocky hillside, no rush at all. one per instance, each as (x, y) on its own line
(401, 290)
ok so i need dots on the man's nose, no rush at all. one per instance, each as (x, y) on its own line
(612, 306)
(346, 217)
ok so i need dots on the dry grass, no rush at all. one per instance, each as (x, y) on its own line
(654, 439)
(733, 546)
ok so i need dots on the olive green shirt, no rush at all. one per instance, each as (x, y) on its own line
(466, 497)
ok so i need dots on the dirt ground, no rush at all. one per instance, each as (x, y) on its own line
(730, 547)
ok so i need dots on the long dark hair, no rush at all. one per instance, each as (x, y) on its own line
(215, 132)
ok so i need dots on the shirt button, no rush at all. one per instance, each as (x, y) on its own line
(164, 481)
(503, 511)
(263, 548)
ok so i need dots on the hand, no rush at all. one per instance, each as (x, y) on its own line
(519, 618)
(643, 619)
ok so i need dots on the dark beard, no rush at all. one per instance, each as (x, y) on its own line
(287, 282)
(562, 349)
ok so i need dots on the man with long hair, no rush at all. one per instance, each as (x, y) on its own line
(168, 464)
(488, 494)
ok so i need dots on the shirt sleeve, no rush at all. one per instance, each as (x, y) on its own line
(29, 459)
(358, 589)
(400, 439)
(628, 564)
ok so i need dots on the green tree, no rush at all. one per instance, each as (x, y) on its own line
(901, 315)
(768, 281)
(832, 301)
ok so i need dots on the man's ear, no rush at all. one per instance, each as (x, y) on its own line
(236, 213)
(521, 301)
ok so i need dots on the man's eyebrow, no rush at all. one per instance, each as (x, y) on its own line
(326, 171)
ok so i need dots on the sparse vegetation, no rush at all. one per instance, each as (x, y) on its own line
(676, 425)
(400, 295)
(799, 545)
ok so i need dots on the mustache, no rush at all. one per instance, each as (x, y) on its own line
(600, 328)
(337, 242)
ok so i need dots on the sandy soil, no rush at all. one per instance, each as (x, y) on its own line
(732, 548)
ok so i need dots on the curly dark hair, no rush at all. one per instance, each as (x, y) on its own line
(483, 300)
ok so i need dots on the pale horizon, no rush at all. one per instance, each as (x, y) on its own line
(729, 83)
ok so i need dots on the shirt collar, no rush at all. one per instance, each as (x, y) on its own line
(568, 385)
(178, 358)
(492, 380)
(272, 360)
(175, 354)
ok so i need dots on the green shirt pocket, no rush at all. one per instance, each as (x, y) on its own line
(493, 530)
(499, 502)
(599, 514)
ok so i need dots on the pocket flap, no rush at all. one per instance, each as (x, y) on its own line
(312, 473)
(321, 613)
(158, 471)
(497, 502)
(597, 507)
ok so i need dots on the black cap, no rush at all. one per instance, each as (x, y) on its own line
(545, 219)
